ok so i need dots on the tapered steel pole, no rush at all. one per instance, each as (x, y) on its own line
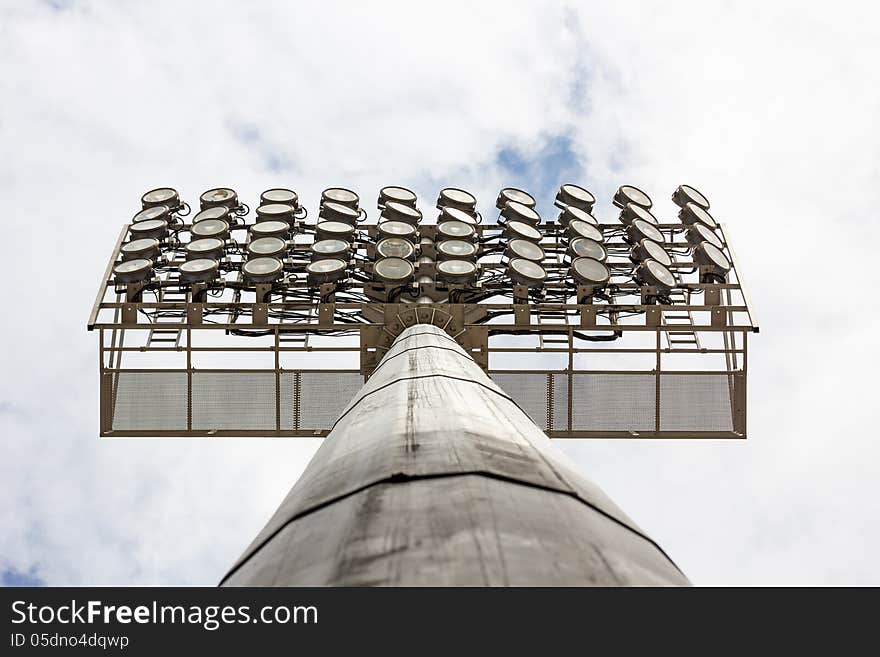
(434, 476)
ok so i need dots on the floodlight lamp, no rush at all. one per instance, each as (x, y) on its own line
(452, 197)
(629, 194)
(457, 271)
(646, 249)
(686, 194)
(571, 213)
(396, 211)
(217, 212)
(692, 214)
(397, 229)
(519, 248)
(640, 229)
(513, 195)
(526, 272)
(456, 229)
(220, 196)
(334, 230)
(393, 270)
(521, 230)
(515, 211)
(207, 247)
(328, 248)
(631, 212)
(280, 196)
(584, 247)
(156, 228)
(276, 212)
(133, 271)
(456, 249)
(270, 247)
(161, 196)
(699, 232)
(263, 269)
(152, 212)
(576, 197)
(144, 248)
(587, 271)
(395, 247)
(270, 229)
(395, 194)
(456, 214)
(342, 196)
(326, 270)
(200, 270)
(578, 228)
(333, 211)
(651, 272)
(210, 228)
(715, 263)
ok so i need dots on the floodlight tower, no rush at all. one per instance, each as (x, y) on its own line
(437, 467)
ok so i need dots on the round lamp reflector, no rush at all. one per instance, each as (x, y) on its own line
(262, 269)
(584, 247)
(267, 246)
(575, 196)
(526, 272)
(513, 195)
(133, 271)
(457, 271)
(393, 270)
(629, 194)
(395, 247)
(524, 249)
(200, 270)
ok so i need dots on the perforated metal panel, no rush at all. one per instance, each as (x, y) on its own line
(233, 400)
(145, 401)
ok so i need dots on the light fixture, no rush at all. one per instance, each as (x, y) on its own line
(280, 196)
(326, 270)
(526, 272)
(161, 196)
(133, 271)
(393, 270)
(715, 263)
(262, 269)
(456, 229)
(395, 247)
(692, 213)
(396, 211)
(686, 194)
(571, 213)
(520, 230)
(576, 197)
(584, 247)
(152, 212)
(452, 197)
(629, 194)
(270, 229)
(456, 249)
(651, 272)
(276, 212)
(210, 228)
(631, 212)
(334, 229)
(396, 194)
(334, 211)
(147, 247)
(157, 228)
(220, 196)
(515, 211)
(207, 247)
(647, 249)
(698, 233)
(513, 195)
(329, 248)
(639, 229)
(267, 246)
(456, 214)
(457, 271)
(200, 270)
(587, 271)
(524, 249)
(396, 229)
(218, 212)
(578, 228)
(342, 196)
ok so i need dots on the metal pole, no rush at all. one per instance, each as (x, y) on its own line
(434, 476)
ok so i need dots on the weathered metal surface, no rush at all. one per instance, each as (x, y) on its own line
(433, 475)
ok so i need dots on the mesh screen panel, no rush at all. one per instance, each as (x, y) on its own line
(146, 401)
(560, 402)
(695, 402)
(324, 395)
(528, 390)
(233, 400)
(613, 402)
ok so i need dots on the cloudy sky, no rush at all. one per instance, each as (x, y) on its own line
(770, 111)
